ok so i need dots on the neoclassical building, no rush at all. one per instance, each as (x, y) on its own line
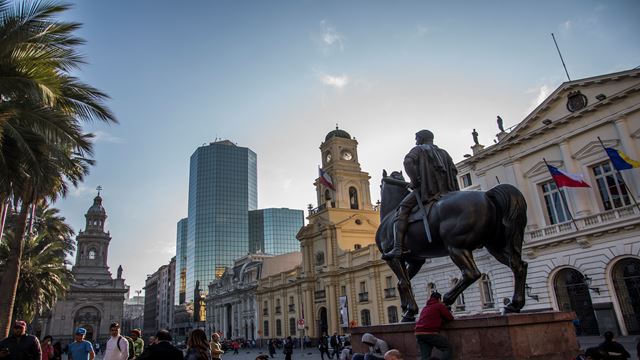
(341, 282)
(590, 265)
(95, 299)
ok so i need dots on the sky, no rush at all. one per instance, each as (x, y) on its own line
(277, 76)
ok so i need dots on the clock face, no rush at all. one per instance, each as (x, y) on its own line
(346, 155)
(328, 157)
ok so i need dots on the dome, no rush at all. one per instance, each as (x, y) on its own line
(96, 208)
(337, 133)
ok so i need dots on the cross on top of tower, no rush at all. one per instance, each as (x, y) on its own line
(99, 188)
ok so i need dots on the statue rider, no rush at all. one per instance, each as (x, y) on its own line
(432, 174)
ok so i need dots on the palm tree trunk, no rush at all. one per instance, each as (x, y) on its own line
(11, 274)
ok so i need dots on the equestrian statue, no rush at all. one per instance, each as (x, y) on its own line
(429, 217)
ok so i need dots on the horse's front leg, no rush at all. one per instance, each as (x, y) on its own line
(413, 267)
(404, 286)
(464, 260)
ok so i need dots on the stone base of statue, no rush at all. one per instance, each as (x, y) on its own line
(543, 335)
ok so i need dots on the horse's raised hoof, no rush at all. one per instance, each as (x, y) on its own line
(509, 309)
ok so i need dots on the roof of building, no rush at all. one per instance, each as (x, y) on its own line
(337, 133)
(280, 263)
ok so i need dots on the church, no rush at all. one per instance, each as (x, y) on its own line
(95, 298)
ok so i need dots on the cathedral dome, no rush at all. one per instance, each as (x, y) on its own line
(96, 208)
(337, 133)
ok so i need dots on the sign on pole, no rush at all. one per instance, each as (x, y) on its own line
(301, 324)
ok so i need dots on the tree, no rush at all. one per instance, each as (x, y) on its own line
(44, 275)
(43, 149)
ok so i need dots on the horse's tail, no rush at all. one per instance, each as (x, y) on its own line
(512, 207)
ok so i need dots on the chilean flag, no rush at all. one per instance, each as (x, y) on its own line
(325, 179)
(566, 179)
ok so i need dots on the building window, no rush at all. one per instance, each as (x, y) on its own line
(466, 180)
(265, 329)
(556, 209)
(486, 294)
(278, 327)
(357, 247)
(343, 290)
(265, 309)
(292, 326)
(363, 295)
(392, 314)
(459, 305)
(353, 197)
(611, 187)
(92, 254)
(365, 317)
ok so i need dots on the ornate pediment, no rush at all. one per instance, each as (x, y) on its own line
(594, 148)
(540, 168)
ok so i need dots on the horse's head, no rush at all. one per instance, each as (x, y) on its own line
(393, 189)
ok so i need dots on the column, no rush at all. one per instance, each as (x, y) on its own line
(332, 310)
(309, 313)
(577, 200)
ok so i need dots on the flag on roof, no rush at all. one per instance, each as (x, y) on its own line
(620, 160)
(325, 179)
(565, 179)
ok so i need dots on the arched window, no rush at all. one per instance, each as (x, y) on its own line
(486, 292)
(353, 198)
(392, 314)
(278, 327)
(327, 195)
(572, 294)
(626, 281)
(459, 305)
(92, 254)
(365, 317)
(292, 326)
(265, 328)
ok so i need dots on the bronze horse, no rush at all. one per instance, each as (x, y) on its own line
(459, 222)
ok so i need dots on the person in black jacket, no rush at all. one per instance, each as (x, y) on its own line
(162, 349)
(614, 349)
(20, 346)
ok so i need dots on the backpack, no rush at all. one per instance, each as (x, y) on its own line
(132, 352)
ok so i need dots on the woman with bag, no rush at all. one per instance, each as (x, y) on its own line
(198, 346)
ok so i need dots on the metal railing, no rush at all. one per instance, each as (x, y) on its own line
(389, 293)
(363, 296)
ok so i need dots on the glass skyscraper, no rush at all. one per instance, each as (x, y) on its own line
(222, 190)
(181, 261)
(273, 231)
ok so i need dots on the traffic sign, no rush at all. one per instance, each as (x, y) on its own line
(301, 324)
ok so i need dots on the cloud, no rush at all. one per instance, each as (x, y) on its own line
(104, 137)
(335, 81)
(330, 37)
(567, 25)
(541, 93)
(82, 191)
(422, 30)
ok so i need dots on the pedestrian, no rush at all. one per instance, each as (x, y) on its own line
(323, 346)
(198, 346)
(117, 347)
(46, 348)
(347, 351)
(377, 348)
(57, 351)
(288, 348)
(428, 326)
(138, 343)
(19, 345)
(272, 347)
(615, 350)
(162, 349)
(235, 346)
(335, 344)
(216, 348)
(393, 354)
(81, 349)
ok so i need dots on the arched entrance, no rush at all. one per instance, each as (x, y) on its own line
(323, 324)
(573, 295)
(626, 281)
(89, 318)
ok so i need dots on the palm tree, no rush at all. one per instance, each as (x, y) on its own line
(43, 149)
(44, 275)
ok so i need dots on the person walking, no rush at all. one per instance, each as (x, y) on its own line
(288, 348)
(138, 343)
(117, 347)
(428, 326)
(272, 347)
(57, 351)
(46, 348)
(81, 349)
(335, 344)
(162, 349)
(323, 346)
(216, 348)
(20, 345)
(198, 346)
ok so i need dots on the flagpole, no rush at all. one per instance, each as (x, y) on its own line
(624, 183)
(564, 200)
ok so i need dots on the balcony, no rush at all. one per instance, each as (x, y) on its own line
(278, 309)
(292, 308)
(265, 312)
(600, 222)
(363, 297)
(320, 294)
(389, 293)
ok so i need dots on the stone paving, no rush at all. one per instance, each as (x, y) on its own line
(308, 354)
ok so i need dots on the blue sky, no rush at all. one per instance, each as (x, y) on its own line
(276, 76)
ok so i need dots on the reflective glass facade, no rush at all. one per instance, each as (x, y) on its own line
(273, 231)
(222, 188)
(181, 261)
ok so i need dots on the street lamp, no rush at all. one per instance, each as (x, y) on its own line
(529, 294)
(587, 281)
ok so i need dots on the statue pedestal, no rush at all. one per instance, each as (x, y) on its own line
(543, 335)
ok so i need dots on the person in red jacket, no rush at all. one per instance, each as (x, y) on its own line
(428, 327)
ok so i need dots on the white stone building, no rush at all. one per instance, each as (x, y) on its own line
(590, 265)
